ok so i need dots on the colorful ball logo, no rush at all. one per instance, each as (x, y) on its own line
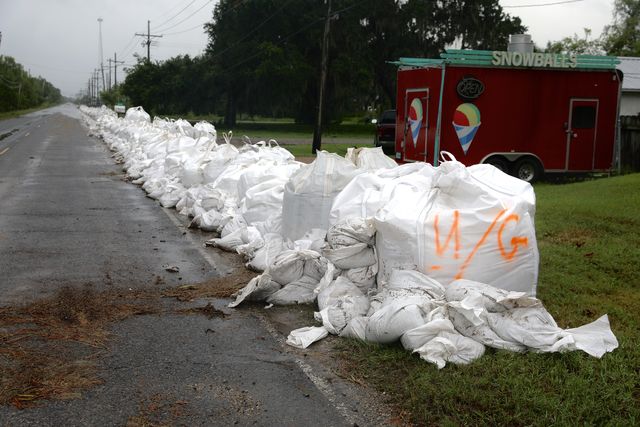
(466, 122)
(415, 119)
(466, 115)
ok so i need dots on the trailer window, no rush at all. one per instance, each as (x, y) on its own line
(583, 117)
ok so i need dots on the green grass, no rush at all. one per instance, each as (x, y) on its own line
(282, 128)
(17, 113)
(589, 241)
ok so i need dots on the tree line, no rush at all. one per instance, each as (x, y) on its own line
(19, 90)
(263, 56)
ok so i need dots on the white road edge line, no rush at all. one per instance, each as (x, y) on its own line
(4, 151)
(323, 386)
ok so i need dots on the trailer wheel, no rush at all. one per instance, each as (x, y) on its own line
(499, 162)
(528, 169)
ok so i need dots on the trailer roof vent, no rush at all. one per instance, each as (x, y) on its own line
(520, 43)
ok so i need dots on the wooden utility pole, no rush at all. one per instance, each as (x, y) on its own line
(148, 42)
(115, 69)
(317, 131)
(115, 63)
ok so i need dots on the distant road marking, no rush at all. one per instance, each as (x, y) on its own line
(4, 151)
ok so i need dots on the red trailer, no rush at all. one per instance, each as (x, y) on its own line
(525, 113)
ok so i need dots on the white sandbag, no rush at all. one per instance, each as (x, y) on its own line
(304, 337)
(264, 256)
(312, 240)
(299, 291)
(419, 336)
(450, 347)
(505, 319)
(310, 191)
(368, 192)
(172, 194)
(370, 158)
(211, 220)
(354, 256)
(351, 231)
(389, 322)
(356, 328)
(364, 277)
(288, 266)
(258, 289)
(459, 226)
(137, 114)
(262, 201)
(236, 222)
(239, 237)
(416, 282)
(340, 302)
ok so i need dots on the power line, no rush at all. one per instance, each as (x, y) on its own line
(187, 30)
(180, 22)
(174, 16)
(541, 5)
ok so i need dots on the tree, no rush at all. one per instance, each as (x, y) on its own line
(622, 37)
(577, 45)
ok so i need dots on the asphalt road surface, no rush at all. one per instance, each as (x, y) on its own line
(67, 218)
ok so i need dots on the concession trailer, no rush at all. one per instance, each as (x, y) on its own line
(526, 113)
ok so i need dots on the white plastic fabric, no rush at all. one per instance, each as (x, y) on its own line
(310, 191)
(370, 158)
(304, 337)
(515, 321)
(474, 223)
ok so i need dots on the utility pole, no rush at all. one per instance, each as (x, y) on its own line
(148, 42)
(115, 69)
(101, 54)
(317, 131)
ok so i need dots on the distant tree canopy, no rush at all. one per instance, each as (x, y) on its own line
(620, 38)
(264, 56)
(18, 90)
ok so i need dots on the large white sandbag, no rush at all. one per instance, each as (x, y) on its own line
(263, 201)
(463, 226)
(137, 114)
(370, 158)
(370, 191)
(310, 191)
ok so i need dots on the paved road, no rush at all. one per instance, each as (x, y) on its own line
(67, 218)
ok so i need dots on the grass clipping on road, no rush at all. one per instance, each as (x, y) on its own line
(49, 349)
(588, 236)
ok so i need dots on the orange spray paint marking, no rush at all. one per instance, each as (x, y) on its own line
(516, 242)
(453, 231)
(478, 245)
(436, 267)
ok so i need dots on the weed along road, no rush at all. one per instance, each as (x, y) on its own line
(108, 313)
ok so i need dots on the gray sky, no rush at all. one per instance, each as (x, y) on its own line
(58, 39)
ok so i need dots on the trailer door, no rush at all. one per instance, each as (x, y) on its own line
(581, 134)
(414, 132)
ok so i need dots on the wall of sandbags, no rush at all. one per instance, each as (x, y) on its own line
(431, 256)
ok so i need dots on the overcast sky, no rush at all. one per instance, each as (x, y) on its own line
(59, 39)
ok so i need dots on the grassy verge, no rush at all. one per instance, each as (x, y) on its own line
(268, 128)
(588, 237)
(17, 113)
